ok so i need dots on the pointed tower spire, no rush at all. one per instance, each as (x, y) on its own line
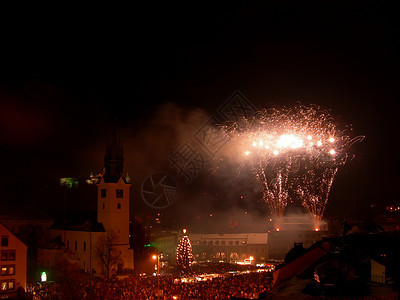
(113, 158)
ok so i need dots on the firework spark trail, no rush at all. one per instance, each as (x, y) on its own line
(298, 148)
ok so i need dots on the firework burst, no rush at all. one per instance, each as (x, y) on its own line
(298, 148)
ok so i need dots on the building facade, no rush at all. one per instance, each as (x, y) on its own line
(13, 263)
(230, 247)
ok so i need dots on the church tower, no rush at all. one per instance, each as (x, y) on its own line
(113, 193)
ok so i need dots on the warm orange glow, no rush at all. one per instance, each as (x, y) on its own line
(184, 231)
(154, 257)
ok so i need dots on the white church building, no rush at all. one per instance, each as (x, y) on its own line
(78, 241)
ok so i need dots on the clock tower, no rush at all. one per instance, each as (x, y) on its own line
(113, 197)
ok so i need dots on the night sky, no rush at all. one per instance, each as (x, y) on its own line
(159, 71)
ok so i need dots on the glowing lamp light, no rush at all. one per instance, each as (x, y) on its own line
(43, 277)
(277, 229)
(332, 152)
(254, 144)
(154, 257)
(316, 229)
(276, 152)
(247, 153)
(184, 231)
(319, 143)
(331, 140)
(309, 137)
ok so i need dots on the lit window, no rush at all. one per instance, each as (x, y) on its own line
(11, 270)
(3, 271)
(4, 286)
(11, 285)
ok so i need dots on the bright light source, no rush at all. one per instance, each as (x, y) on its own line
(331, 140)
(289, 141)
(332, 152)
(247, 153)
(154, 257)
(276, 152)
(319, 143)
(43, 277)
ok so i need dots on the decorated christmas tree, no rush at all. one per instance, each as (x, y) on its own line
(184, 255)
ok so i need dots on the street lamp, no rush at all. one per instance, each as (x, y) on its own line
(154, 257)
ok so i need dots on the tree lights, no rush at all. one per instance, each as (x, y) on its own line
(184, 255)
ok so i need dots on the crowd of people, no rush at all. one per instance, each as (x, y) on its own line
(247, 285)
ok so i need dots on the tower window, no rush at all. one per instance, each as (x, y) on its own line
(120, 193)
(84, 246)
(76, 245)
(103, 193)
(119, 205)
(104, 206)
